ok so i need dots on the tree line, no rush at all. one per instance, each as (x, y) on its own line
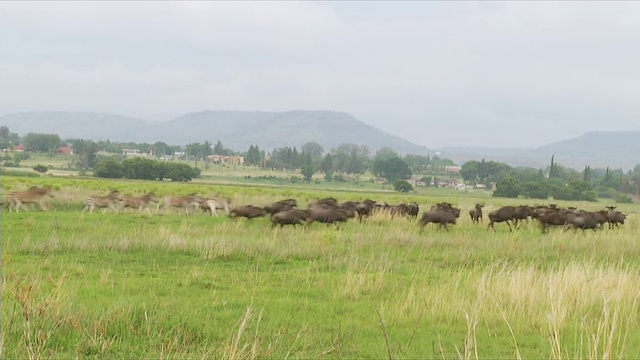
(554, 181)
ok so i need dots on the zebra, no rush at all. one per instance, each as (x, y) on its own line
(183, 202)
(138, 202)
(103, 202)
(32, 195)
(211, 204)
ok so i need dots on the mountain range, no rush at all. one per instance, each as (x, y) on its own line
(239, 129)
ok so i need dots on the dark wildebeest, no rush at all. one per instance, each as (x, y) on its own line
(328, 215)
(553, 217)
(289, 217)
(365, 208)
(138, 202)
(615, 218)
(476, 213)
(584, 220)
(33, 195)
(248, 212)
(324, 201)
(103, 202)
(523, 212)
(183, 202)
(409, 210)
(282, 205)
(212, 204)
(441, 214)
(504, 214)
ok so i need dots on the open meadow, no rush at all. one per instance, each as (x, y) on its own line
(159, 284)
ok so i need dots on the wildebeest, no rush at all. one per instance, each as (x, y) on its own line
(248, 211)
(441, 214)
(212, 204)
(503, 214)
(365, 208)
(553, 217)
(281, 205)
(138, 202)
(476, 213)
(289, 217)
(583, 220)
(615, 218)
(328, 215)
(523, 212)
(103, 202)
(32, 195)
(183, 202)
(410, 210)
(324, 201)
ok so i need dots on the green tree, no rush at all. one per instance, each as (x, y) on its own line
(195, 151)
(85, 153)
(380, 161)
(7, 138)
(109, 168)
(507, 187)
(327, 167)
(40, 168)
(312, 148)
(355, 164)
(470, 171)
(42, 142)
(161, 149)
(307, 169)
(219, 149)
(394, 169)
(535, 189)
(402, 186)
(254, 156)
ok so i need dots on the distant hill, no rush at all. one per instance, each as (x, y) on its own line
(617, 149)
(76, 125)
(236, 129)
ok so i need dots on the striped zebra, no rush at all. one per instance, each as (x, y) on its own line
(33, 195)
(103, 202)
(184, 202)
(214, 203)
(138, 202)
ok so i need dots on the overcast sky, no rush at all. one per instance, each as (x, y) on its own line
(512, 74)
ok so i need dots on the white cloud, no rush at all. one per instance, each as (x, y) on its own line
(434, 73)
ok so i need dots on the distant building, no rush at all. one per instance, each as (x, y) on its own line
(65, 150)
(222, 159)
(452, 169)
(19, 148)
(416, 182)
(130, 151)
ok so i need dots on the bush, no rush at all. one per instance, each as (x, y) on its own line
(21, 156)
(507, 187)
(402, 186)
(109, 168)
(19, 173)
(145, 169)
(535, 190)
(40, 168)
(622, 198)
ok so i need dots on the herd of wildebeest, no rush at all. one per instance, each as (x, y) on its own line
(330, 211)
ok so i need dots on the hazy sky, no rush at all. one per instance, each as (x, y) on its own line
(438, 74)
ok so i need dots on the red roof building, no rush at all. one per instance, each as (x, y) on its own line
(65, 150)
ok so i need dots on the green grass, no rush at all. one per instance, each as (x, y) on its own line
(169, 286)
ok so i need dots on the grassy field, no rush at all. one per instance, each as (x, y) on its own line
(164, 285)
